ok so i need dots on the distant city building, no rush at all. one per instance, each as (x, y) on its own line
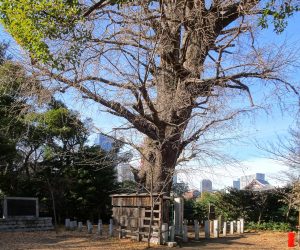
(191, 194)
(245, 180)
(205, 186)
(125, 173)
(237, 184)
(105, 142)
(259, 185)
(254, 182)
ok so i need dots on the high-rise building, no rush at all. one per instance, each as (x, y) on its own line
(125, 173)
(105, 142)
(245, 180)
(237, 184)
(205, 186)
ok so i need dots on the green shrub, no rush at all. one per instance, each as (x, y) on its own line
(271, 226)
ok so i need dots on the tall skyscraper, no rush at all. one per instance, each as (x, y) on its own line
(124, 172)
(245, 180)
(105, 142)
(205, 186)
(237, 184)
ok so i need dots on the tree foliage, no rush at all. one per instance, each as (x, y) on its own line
(44, 153)
(258, 207)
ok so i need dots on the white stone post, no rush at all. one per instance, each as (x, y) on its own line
(207, 229)
(184, 233)
(111, 227)
(90, 227)
(231, 227)
(178, 215)
(79, 226)
(100, 227)
(238, 227)
(216, 228)
(196, 225)
(165, 232)
(242, 225)
(67, 224)
(5, 212)
(73, 225)
(172, 233)
(225, 228)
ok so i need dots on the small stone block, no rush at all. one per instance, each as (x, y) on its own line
(172, 244)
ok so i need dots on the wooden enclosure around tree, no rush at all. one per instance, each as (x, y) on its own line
(132, 214)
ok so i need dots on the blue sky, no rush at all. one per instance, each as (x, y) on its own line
(262, 128)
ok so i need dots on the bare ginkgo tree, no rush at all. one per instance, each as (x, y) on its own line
(173, 70)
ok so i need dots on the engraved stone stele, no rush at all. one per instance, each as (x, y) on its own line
(22, 214)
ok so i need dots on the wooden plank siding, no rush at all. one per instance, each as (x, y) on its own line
(132, 214)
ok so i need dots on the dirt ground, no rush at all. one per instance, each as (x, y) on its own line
(76, 240)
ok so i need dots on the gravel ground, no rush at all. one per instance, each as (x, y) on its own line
(76, 240)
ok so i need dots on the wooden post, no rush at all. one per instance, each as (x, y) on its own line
(196, 226)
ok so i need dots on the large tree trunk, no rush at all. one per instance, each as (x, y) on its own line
(158, 166)
(181, 57)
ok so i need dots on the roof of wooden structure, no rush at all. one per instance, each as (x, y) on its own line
(140, 195)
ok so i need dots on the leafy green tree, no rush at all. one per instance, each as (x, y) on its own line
(12, 105)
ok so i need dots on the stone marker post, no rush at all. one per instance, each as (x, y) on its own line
(90, 227)
(231, 227)
(111, 228)
(238, 227)
(196, 226)
(172, 233)
(79, 226)
(100, 227)
(165, 232)
(216, 228)
(207, 229)
(242, 225)
(178, 215)
(184, 233)
(225, 228)
(67, 224)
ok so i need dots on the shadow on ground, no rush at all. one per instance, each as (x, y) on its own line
(236, 242)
